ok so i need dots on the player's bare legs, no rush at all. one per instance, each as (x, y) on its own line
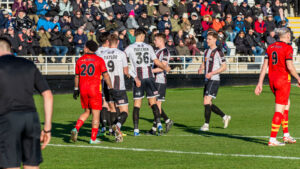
(31, 167)
(136, 115)
(82, 118)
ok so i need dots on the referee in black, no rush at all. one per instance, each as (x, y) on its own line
(20, 131)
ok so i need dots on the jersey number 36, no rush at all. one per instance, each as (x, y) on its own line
(141, 58)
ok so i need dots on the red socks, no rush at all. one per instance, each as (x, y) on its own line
(277, 118)
(79, 124)
(94, 133)
(285, 121)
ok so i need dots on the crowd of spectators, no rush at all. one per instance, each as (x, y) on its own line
(61, 27)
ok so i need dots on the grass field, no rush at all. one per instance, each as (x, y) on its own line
(242, 145)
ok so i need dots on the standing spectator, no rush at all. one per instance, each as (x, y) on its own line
(267, 9)
(45, 43)
(222, 43)
(120, 8)
(89, 22)
(130, 6)
(140, 8)
(233, 9)
(77, 6)
(144, 21)
(131, 22)
(17, 6)
(42, 7)
(68, 42)
(241, 44)
(271, 38)
(45, 22)
(218, 23)
(79, 40)
(164, 23)
(65, 22)
(77, 21)
(186, 24)
(56, 41)
(245, 9)
(54, 7)
(253, 42)
(194, 6)
(23, 21)
(182, 8)
(163, 8)
(196, 23)
(229, 28)
(270, 24)
(205, 9)
(65, 6)
(239, 24)
(248, 23)
(175, 23)
(32, 10)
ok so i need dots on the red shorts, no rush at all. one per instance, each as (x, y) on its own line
(281, 89)
(91, 99)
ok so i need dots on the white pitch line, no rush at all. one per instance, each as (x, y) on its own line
(199, 135)
(177, 152)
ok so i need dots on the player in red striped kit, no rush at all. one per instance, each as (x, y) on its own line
(89, 69)
(280, 61)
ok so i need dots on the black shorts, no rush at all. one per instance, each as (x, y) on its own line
(20, 139)
(161, 91)
(119, 97)
(148, 86)
(211, 88)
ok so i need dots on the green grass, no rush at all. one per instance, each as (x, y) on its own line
(251, 116)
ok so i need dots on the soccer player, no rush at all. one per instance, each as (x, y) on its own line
(116, 62)
(213, 64)
(20, 132)
(140, 55)
(89, 69)
(279, 59)
(163, 55)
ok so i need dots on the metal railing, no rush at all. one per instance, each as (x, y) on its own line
(235, 64)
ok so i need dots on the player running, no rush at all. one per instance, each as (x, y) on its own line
(280, 62)
(214, 63)
(140, 55)
(89, 69)
(163, 55)
(116, 62)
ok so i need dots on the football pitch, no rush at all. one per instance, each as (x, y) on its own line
(242, 145)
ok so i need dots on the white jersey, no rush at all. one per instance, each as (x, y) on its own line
(140, 55)
(100, 50)
(115, 61)
(213, 60)
(162, 55)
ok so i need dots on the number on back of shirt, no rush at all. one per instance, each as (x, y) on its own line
(274, 58)
(111, 66)
(90, 69)
(142, 57)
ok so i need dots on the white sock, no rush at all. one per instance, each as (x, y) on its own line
(110, 130)
(158, 124)
(119, 125)
(136, 130)
(286, 134)
(225, 117)
(153, 128)
(206, 124)
(167, 121)
(272, 139)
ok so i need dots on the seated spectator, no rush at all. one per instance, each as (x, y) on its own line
(131, 22)
(239, 24)
(249, 24)
(271, 38)
(217, 8)
(54, 7)
(260, 26)
(79, 40)
(182, 50)
(56, 22)
(89, 22)
(168, 34)
(65, 6)
(163, 8)
(130, 6)
(42, 7)
(110, 23)
(89, 7)
(221, 43)
(3, 19)
(65, 22)
(46, 23)
(217, 23)
(130, 36)
(171, 47)
(151, 10)
(120, 8)
(68, 42)
(77, 21)
(267, 8)
(245, 9)
(164, 23)
(56, 41)
(191, 42)
(123, 41)
(194, 6)
(233, 9)
(14, 40)
(140, 8)
(120, 21)
(206, 24)
(99, 19)
(270, 23)
(196, 23)
(275, 8)
(45, 43)
(144, 21)
(279, 18)
(181, 8)
(205, 9)
(17, 6)
(256, 10)
(31, 11)
(77, 5)
(254, 42)
(23, 21)
(180, 36)
(91, 36)
(186, 24)
(241, 44)
(229, 28)
(23, 40)
(175, 23)
(35, 38)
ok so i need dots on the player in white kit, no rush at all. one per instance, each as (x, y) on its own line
(140, 55)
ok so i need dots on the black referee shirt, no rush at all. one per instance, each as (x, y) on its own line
(18, 79)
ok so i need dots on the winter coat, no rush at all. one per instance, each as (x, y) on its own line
(44, 41)
(246, 11)
(64, 24)
(217, 25)
(248, 26)
(76, 22)
(25, 22)
(162, 25)
(229, 26)
(119, 9)
(92, 37)
(260, 27)
(129, 7)
(183, 50)
(142, 8)
(90, 23)
(32, 10)
(175, 25)
(205, 10)
(182, 8)
(82, 37)
(131, 23)
(150, 10)
(196, 25)
(46, 24)
(205, 25)
(15, 43)
(56, 39)
(65, 8)
(40, 7)
(233, 10)
(239, 26)
(144, 22)
(270, 25)
(54, 8)
(18, 7)
(164, 9)
(3, 21)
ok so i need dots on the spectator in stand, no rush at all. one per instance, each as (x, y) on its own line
(120, 21)
(168, 34)
(3, 19)
(279, 18)
(253, 41)
(91, 36)
(17, 6)
(14, 40)
(56, 22)
(151, 10)
(164, 23)
(77, 21)
(256, 11)
(35, 44)
(140, 8)
(99, 19)
(130, 36)
(45, 43)
(190, 42)
(131, 21)
(23, 21)
(181, 8)
(194, 6)
(180, 36)
(182, 50)
(89, 7)
(222, 43)
(205, 9)
(260, 26)
(267, 9)
(65, 6)
(245, 9)
(186, 24)
(31, 11)
(42, 7)
(68, 42)
(56, 41)
(270, 23)
(79, 40)
(23, 40)
(241, 44)
(163, 8)
(120, 8)
(130, 6)
(206, 24)
(233, 9)
(171, 47)
(77, 5)
(9, 21)
(175, 23)
(248, 23)
(144, 21)
(45, 22)
(65, 22)
(229, 28)
(123, 42)
(196, 23)
(239, 24)
(275, 8)
(54, 7)
(218, 23)
(271, 38)
(89, 22)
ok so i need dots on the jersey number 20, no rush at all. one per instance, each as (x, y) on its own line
(274, 58)
(141, 58)
(90, 69)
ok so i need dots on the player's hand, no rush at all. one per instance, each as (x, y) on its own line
(208, 75)
(258, 89)
(137, 82)
(167, 68)
(75, 94)
(199, 71)
(45, 138)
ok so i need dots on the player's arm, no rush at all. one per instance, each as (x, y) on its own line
(161, 65)
(107, 79)
(126, 71)
(293, 71)
(201, 68)
(132, 71)
(218, 71)
(262, 75)
(48, 108)
(158, 70)
(76, 87)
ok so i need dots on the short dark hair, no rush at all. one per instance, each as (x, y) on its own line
(160, 35)
(213, 34)
(91, 45)
(140, 32)
(113, 38)
(5, 40)
(104, 37)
